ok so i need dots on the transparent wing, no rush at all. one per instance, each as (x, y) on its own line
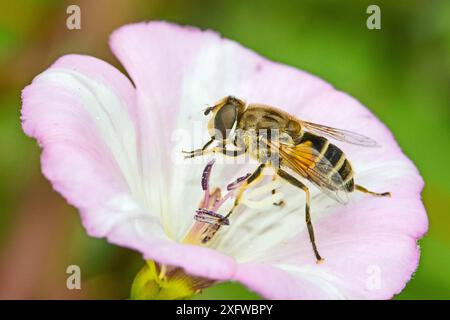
(307, 162)
(339, 134)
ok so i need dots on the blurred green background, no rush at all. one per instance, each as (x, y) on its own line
(401, 72)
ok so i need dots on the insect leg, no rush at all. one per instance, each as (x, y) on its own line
(364, 190)
(283, 174)
(198, 152)
(281, 202)
(251, 179)
(230, 153)
(218, 149)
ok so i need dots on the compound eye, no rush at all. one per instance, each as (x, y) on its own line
(225, 119)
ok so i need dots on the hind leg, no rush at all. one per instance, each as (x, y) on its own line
(364, 190)
(292, 180)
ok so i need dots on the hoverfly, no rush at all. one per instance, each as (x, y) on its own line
(301, 147)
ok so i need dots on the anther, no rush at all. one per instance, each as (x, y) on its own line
(210, 217)
(237, 182)
(206, 174)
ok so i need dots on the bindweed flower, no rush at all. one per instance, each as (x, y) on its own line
(112, 148)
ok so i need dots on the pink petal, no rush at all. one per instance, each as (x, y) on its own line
(82, 112)
(63, 109)
(370, 238)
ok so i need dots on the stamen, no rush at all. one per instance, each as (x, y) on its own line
(237, 182)
(210, 217)
(222, 201)
(205, 181)
(206, 174)
(231, 187)
(207, 222)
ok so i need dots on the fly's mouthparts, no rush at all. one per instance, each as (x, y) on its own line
(210, 217)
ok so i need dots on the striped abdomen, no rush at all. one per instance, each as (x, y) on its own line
(337, 167)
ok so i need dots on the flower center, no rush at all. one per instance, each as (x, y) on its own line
(207, 222)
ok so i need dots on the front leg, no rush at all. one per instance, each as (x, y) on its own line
(197, 152)
(218, 149)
